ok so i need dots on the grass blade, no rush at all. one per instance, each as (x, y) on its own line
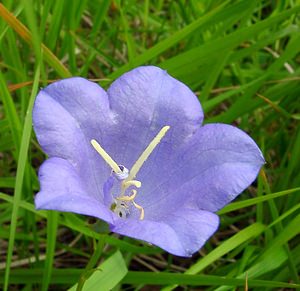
(25, 34)
(107, 275)
(22, 161)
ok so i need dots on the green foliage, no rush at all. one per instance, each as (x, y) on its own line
(240, 57)
(106, 276)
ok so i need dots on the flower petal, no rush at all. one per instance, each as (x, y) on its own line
(107, 194)
(182, 233)
(71, 106)
(193, 227)
(215, 166)
(143, 101)
(66, 116)
(63, 190)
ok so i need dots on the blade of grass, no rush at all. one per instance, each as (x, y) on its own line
(241, 237)
(215, 70)
(274, 255)
(67, 276)
(189, 62)
(196, 280)
(52, 223)
(56, 23)
(107, 275)
(88, 271)
(249, 202)
(169, 42)
(131, 50)
(11, 113)
(286, 214)
(279, 227)
(7, 182)
(267, 260)
(246, 104)
(25, 34)
(22, 160)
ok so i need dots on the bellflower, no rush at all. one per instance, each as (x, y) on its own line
(139, 158)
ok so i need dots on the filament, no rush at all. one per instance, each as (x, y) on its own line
(106, 157)
(146, 153)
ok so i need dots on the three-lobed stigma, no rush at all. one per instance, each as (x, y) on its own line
(121, 204)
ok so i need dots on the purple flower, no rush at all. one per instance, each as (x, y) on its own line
(94, 139)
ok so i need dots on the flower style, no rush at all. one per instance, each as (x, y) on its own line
(138, 157)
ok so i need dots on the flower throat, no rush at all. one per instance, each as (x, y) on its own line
(121, 204)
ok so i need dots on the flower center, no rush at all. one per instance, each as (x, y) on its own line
(121, 205)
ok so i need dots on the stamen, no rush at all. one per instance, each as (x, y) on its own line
(146, 153)
(134, 183)
(128, 198)
(121, 206)
(142, 215)
(121, 209)
(106, 157)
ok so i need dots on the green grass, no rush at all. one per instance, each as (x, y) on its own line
(242, 60)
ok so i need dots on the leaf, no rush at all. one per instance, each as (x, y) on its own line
(107, 276)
